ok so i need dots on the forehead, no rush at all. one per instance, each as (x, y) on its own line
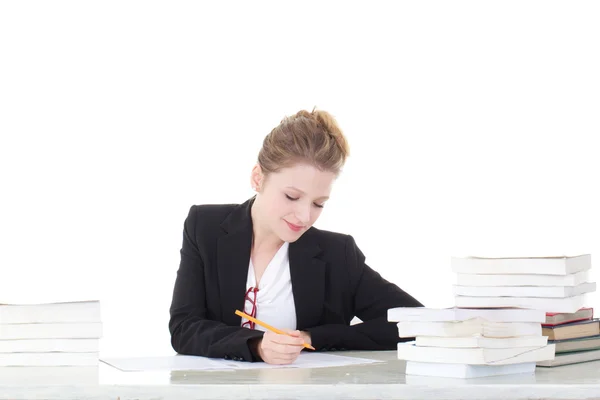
(306, 178)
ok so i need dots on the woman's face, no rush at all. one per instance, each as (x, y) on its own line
(292, 199)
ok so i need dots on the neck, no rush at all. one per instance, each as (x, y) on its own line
(262, 238)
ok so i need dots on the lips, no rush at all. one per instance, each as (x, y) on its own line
(295, 228)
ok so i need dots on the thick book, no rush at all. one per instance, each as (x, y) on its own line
(83, 330)
(582, 314)
(525, 291)
(556, 265)
(49, 345)
(78, 311)
(547, 304)
(48, 359)
(481, 342)
(466, 370)
(423, 314)
(571, 358)
(522, 279)
(472, 327)
(577, 344)
(476, 356)
(573, 330)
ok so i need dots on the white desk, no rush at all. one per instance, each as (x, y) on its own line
(374, 381)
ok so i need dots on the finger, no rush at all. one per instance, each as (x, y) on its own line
(290, 340)
(283, 348)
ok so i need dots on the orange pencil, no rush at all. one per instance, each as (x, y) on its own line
(269, 327)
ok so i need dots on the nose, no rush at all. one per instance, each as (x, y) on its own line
(303, 213)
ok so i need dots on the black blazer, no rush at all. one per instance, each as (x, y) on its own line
(331, 284)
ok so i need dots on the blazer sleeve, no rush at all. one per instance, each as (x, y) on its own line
(372, 296)
(192, 333)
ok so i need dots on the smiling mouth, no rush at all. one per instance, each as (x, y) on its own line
(293, 227)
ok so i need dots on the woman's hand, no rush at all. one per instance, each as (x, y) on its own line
(281, 349)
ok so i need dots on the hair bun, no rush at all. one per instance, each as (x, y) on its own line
(330, 125)
(311, 137)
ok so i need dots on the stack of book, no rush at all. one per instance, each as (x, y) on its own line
(495, 327)
(576, 337)
(55, 334)
(552, 284)
(470, 343)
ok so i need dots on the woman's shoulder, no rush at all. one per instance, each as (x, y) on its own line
(329, 238)
(209, 215)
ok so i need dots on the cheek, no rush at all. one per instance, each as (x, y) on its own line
(281, 208)
(315, 214)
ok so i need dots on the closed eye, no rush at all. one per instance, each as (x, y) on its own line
(294, 199)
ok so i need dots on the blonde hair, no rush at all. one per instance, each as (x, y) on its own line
(306, 137)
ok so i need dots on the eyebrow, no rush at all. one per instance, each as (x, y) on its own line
(298, 190)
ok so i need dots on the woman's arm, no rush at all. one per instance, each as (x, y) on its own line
(192, 333)
(372, 296)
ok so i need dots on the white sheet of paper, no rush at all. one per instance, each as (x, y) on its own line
(306, 360)
(193, 363)
(169, 363)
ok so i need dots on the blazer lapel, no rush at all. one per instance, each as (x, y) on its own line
(308, 280)
(233, 258)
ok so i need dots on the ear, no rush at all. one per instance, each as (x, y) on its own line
(256, 178)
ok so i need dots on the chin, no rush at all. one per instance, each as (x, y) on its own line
(291, 237)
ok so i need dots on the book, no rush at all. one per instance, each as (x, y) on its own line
(84, 330)
(78, 311)
(472, 327)
(582, 314)
(555, 265)
(466, 370)
(522, 279)
(570, 358)
(49, 345)
(547, 304)
(481, 341)
(577, 344)
(48, 359)
(573, 330)
(423, 314)
(525, 291)
(474, 356)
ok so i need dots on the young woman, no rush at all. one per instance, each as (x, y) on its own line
(264, 257)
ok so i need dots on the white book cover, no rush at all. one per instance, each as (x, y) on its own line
(49, 345)
(547, 304)
(473, 327)
(84, 330)
(474, 356)
(48, 359)
(466, 370)
(522, 279)
(525, 291)
(78, 311)
(481, 342)
(556, 265)
(423, 314)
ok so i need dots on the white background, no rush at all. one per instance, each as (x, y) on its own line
(472, 128)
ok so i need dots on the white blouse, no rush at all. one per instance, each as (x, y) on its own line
(275, 300)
